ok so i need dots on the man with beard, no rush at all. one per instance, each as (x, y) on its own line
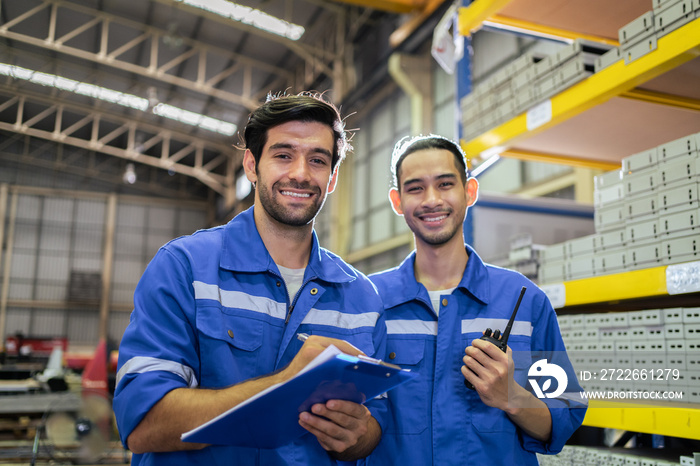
(437, 304)
(216, 313)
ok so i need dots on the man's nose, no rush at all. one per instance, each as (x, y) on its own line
(432, 197)
(299, 169)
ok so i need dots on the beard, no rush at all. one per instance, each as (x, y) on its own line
(295, 217)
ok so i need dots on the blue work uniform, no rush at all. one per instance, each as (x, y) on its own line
(211, 310)
(435, 419)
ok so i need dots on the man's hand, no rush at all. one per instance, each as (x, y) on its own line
(345, 429)
(313, 346)
(490, 370)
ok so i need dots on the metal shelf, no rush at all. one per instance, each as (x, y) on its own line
(675, 49)
(673, 419)
(616, 287)
(662, 281)
(560, 18)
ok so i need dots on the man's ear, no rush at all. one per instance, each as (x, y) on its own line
(249, 166)
(472, 191)
(395, 199)
(334, 180)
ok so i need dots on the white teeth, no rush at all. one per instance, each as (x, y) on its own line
(435, 219)
(288, 193)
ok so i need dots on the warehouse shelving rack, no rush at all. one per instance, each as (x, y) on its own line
(653, 91)
(668, 418)
(618, 106)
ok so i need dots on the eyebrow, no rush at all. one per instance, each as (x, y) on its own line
(444, 176)
(287, 145)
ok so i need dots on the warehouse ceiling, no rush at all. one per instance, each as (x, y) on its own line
(153, 92)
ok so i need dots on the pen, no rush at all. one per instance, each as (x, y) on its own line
(361, 357)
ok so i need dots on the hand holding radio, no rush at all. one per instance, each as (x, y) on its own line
(498, 339)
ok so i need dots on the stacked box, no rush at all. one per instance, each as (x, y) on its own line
(673, 14)
(646, 214)
(524, 83)
(665, 342)
(638, 37)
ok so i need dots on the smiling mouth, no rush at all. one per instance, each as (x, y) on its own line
(432, 218)
(298, 195)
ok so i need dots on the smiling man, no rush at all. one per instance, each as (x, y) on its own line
(437, 304)
(216, 313)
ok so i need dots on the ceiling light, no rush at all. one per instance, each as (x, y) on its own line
(129, 174)
(249, 16)
(195, 119)
(77, 87)
(120, 98)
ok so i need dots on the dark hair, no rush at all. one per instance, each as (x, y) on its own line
(307, 107)
(409, 145)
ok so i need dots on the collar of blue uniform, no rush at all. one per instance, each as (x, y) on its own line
(474, 281)
(244, 251)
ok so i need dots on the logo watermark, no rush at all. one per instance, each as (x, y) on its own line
(542, 368)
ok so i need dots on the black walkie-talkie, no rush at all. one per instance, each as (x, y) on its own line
(501, 341)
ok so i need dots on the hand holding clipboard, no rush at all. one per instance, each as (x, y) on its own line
(270, 418)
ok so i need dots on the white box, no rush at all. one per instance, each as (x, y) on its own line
(608, 347)
(679, 197)
(642, 231)
(656, 332)
(611, 240)
(691, 331)
(605, 320)
(637, 332)
(578, 321)
(641, 183)
(673, 315)
(674, 331)
(609, 195)
(554, 252)
(640, 161)
(611, 261)
(652, 317)
(565, 322)
(675, 360)
(619, 319)
(641, 207)
(622, 346)
(592, 320)
(675, 346)
(691, 315)
(680, 169)
(693, 346)
(635, 318)
(608, 179)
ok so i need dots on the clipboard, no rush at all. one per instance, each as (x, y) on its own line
(271, 418)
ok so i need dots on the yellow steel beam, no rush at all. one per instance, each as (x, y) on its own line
(471, 17)
(674, 49)
(662, 99)
(530, 156)
(546, 31)
(615, 287)
(392, 6)
(671, 420)
(419, 17)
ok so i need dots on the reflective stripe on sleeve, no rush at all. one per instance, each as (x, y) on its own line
(340, 319)
(411, 327)
(240, 300)
(481, 324)
(142, 364)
